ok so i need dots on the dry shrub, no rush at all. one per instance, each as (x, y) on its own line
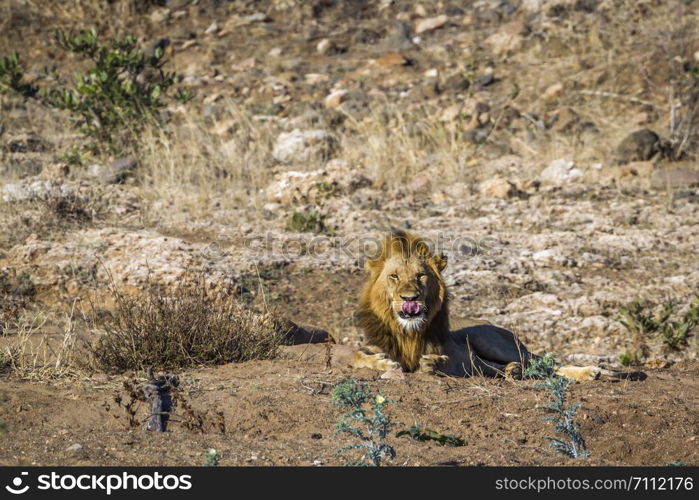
(190, 326)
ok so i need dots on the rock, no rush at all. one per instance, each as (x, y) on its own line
(553, 92)
(392, 59)
(420, 184)
(116, 173)
(456, 83)
(508, 38)
(159, 15)
(303, 145)
(451, 113)
(484, 80)
(674, 177)
(398, 38)
(561, 171)
(15, 192)
(498, 188)
(431, 23)
(325, 47)
(335, 98)
(429, 89)
(641, 145)
(315, 78)
(335, 179)
(563, 119)
(212, 29)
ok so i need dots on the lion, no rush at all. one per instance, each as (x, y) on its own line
(404, 313)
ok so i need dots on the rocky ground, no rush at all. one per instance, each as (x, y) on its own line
(548, 147)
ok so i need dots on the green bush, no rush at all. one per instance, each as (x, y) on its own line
(122, 90)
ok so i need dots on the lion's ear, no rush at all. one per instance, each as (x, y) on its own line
(440, 262)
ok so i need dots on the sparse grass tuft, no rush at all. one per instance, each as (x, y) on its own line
(371, 429)
(188, 327)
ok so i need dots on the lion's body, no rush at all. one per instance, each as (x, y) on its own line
(404, 313)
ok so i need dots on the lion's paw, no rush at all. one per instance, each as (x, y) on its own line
(432, 363)
(375, 361)
(513, 371)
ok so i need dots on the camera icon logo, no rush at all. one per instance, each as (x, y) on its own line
(16, 487)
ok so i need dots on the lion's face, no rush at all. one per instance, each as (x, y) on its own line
(409, 289)
(413, 289)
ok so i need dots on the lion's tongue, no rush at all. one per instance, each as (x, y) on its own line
(411, 307)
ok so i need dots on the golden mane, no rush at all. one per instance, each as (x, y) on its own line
(377, 319)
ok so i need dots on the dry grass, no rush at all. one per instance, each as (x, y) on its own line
(190, 326)
(190, 167)
(30, 353)
(394, 146)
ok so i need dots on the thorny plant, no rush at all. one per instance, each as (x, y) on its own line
(541, 368)
(572, 444)
(370, 427)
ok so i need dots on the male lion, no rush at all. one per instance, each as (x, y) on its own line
(403, 310)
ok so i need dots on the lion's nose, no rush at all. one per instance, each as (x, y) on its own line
(409, 298)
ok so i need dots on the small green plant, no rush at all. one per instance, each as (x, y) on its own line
(573, 444)
(122, 90)
(309, 220)
(211, 458)
(4, 428)
(541, 368)
(356, 397)
(417, 433)
(644, 326)
(12, 76)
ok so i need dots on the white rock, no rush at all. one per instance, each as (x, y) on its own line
(302, 145)
(431, 23)
(35, 190)
(561, 171)
(212, 29)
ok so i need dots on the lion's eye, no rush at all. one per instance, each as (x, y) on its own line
(421, 276)
(394, 277)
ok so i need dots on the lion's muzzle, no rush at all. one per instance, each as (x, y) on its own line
(411, 308)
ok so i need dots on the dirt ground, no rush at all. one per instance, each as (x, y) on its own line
(280, 413)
